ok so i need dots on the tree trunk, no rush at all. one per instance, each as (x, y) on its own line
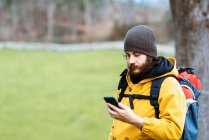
(191, 21)
(128, 16)
(50, 20)
(14, 18)
(73, 20)
(87, 14)
(28, 18)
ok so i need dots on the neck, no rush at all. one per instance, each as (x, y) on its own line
(136, 78)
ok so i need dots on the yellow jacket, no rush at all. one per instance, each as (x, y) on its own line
(172, 107)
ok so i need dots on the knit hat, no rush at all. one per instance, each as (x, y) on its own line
(141, 39)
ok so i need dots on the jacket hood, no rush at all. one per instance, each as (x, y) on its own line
(167, 66)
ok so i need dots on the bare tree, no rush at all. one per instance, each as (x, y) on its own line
(14, 16)
(28, 17)
(50, 19)
(87, 14)
(191, 20)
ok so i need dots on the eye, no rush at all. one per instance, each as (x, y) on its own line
(136, 54)
(127, 55)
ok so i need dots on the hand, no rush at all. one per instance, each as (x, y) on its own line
(125, 114)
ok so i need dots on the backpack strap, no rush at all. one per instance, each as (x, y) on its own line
(154, 94)
(135, 96)
(183, 69)
(122, 84)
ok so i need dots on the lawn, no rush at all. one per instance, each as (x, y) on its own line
(57, 95)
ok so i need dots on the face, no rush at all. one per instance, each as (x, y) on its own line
(137, 63)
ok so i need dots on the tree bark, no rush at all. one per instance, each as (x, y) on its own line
(191, 21)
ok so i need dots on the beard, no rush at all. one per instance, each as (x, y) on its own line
(142, 70)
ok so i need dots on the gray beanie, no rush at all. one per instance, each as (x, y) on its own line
(141, 39)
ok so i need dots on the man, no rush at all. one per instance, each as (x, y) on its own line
(143, 67)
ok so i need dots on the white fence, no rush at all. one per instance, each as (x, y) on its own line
(118, 45)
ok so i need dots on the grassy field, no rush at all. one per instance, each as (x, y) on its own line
(57, 95)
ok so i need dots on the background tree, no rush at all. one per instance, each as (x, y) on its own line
(71, 21)
(51, 7)
(191, 21)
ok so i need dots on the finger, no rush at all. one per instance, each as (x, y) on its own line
(110, 109)
(112, 113)
(116, 109)
(122, 106)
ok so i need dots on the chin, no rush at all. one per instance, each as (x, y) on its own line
(135, 73)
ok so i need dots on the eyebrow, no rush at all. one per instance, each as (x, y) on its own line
(136, 53)
(133, 53)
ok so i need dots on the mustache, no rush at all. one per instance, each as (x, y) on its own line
(132, 66)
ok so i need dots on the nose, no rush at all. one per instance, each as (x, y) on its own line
(131, 60)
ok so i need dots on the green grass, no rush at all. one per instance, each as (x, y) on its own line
(57, 95)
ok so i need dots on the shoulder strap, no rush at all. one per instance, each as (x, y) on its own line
(122, 84)
(154, 94)
(154, 91)
(183, 69)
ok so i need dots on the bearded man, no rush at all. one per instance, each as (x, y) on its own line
(136, 118)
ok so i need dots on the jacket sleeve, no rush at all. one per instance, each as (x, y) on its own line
(172, 107)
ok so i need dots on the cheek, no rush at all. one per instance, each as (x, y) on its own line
(142, 60)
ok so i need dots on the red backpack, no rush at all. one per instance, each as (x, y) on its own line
(188, 74)
(191, 86)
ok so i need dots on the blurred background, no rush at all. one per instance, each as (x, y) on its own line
(59, 58)
(64, 21)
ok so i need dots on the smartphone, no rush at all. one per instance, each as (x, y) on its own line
(111, 100)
